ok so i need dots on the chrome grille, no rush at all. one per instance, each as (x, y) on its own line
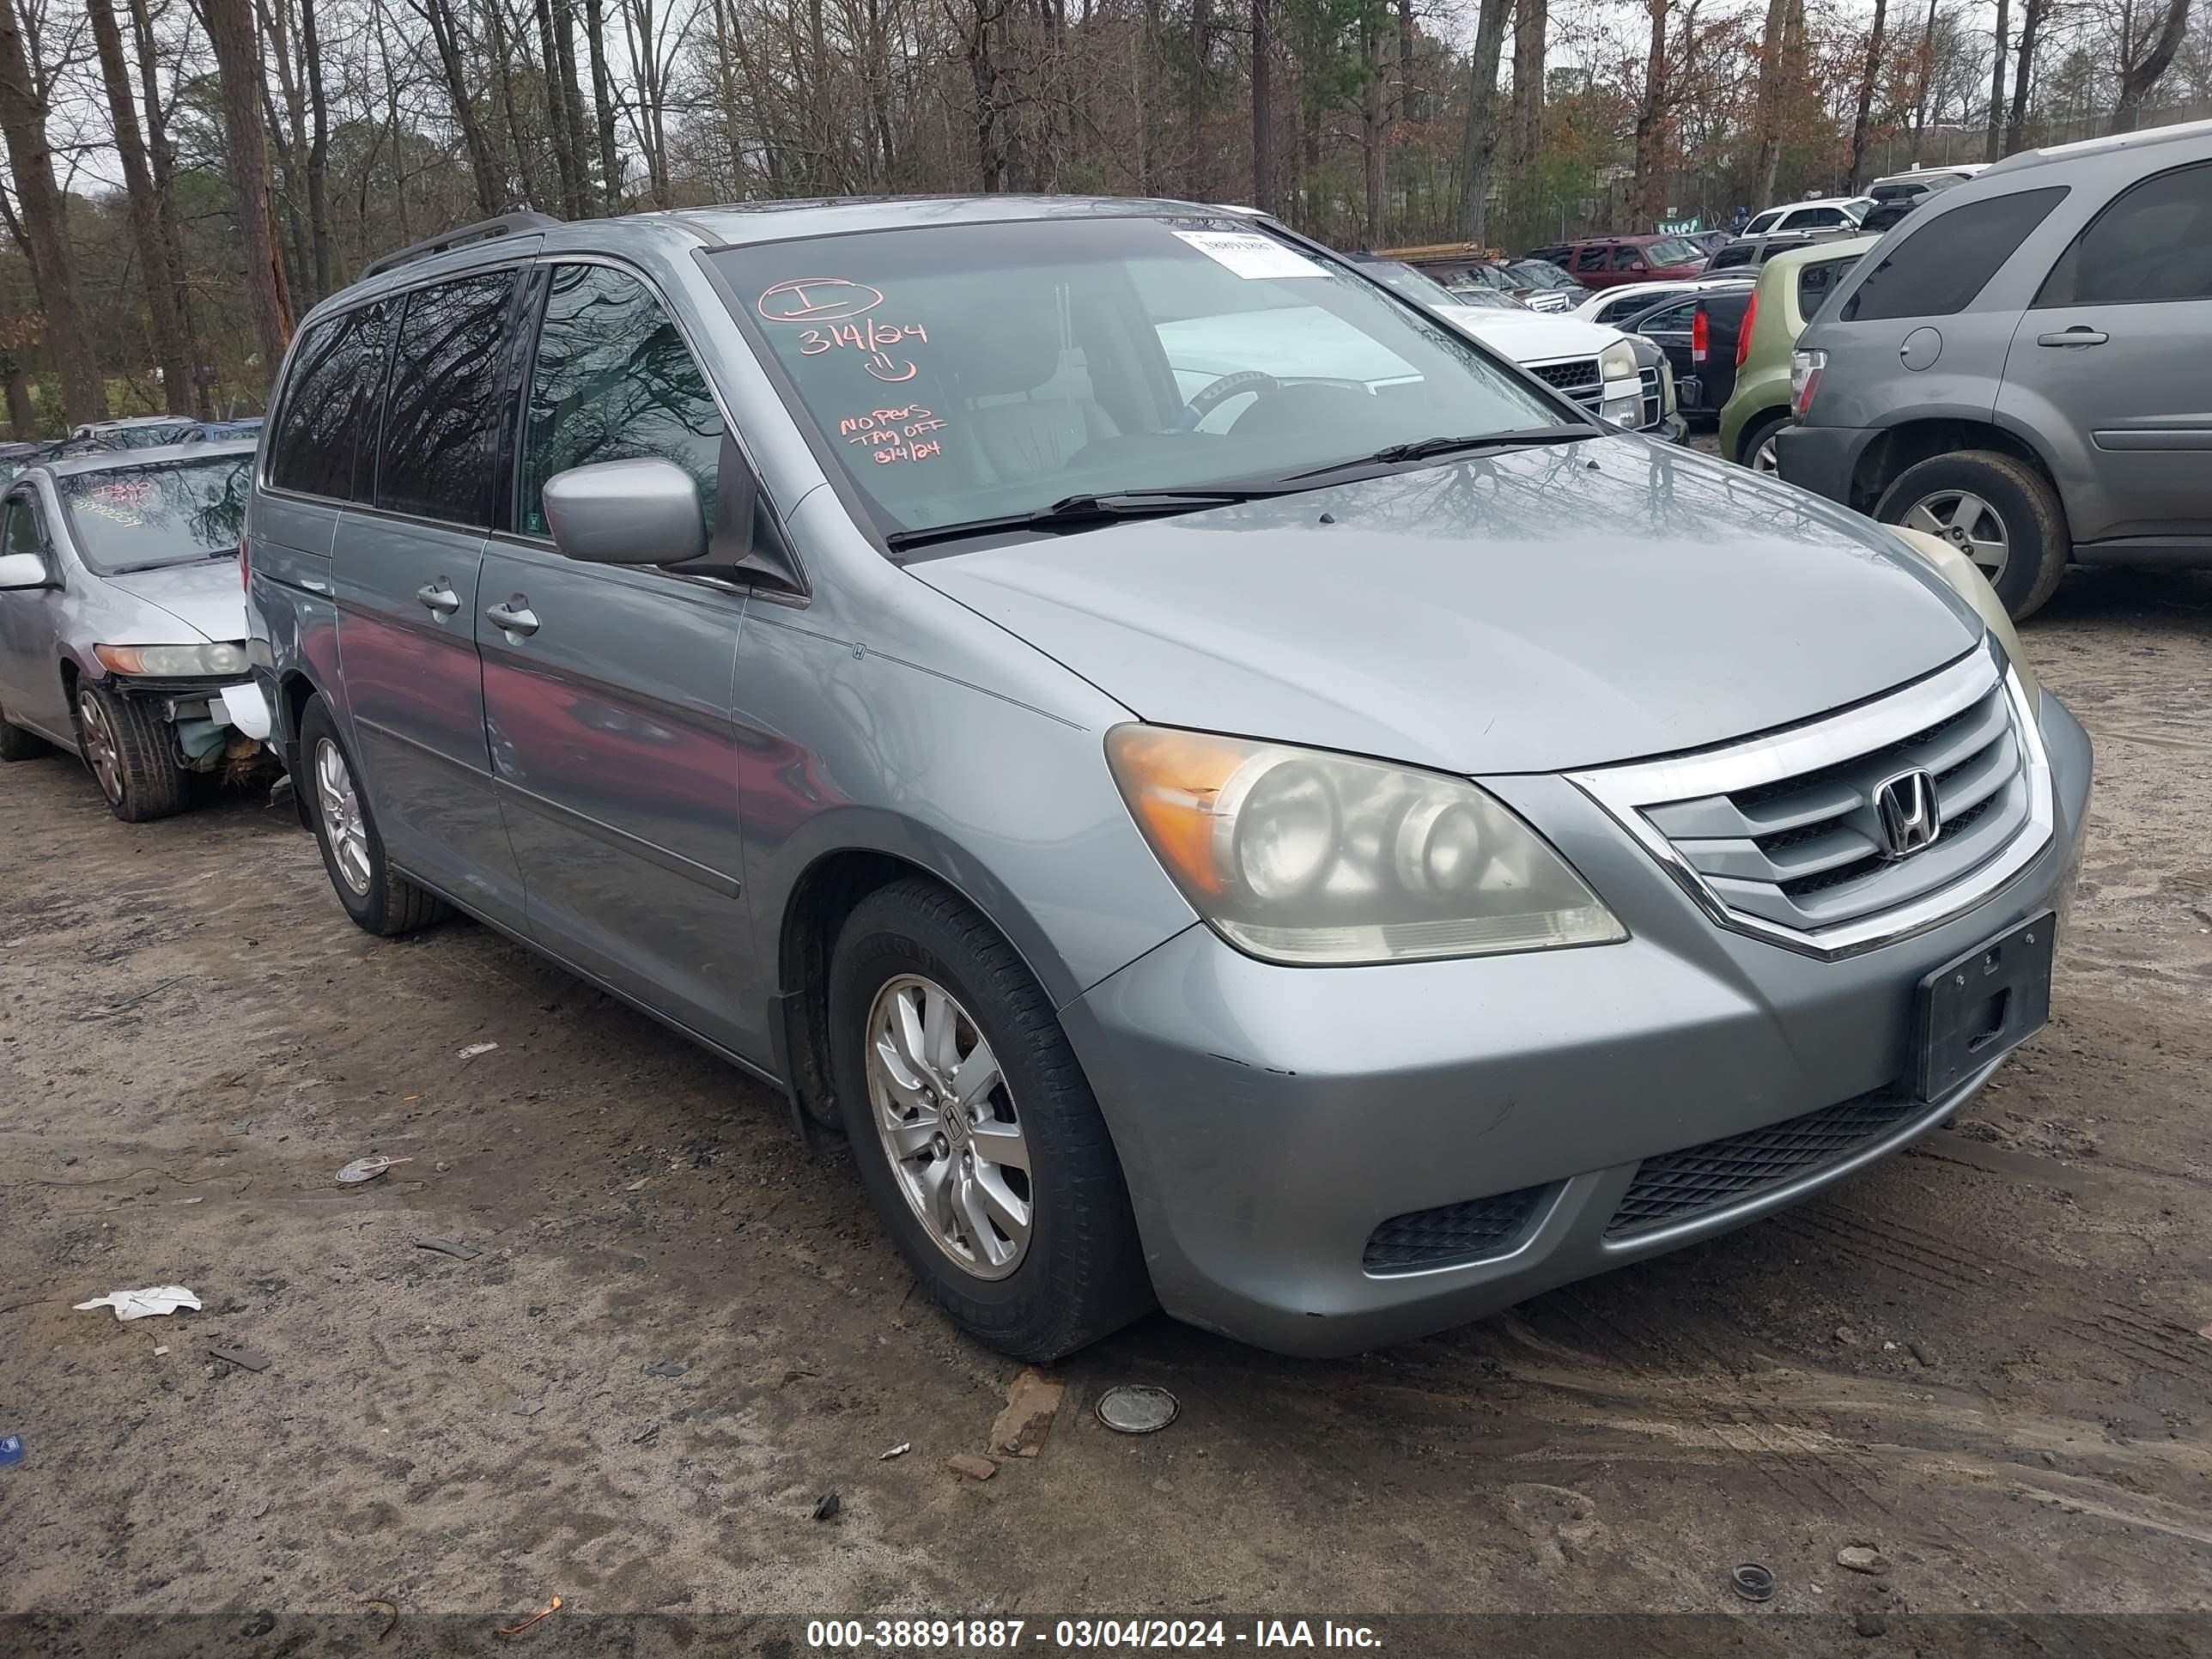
(1452, 1233)
(1780, 835)
(1680, 1186)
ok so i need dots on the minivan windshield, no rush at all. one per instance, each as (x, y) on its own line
(145, 518)
(967, 373)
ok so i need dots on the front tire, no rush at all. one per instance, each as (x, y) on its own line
(131, 754)
(976, 1133)
(1998, 511)
(379, 898)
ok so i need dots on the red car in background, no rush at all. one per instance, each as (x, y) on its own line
(1608, 261)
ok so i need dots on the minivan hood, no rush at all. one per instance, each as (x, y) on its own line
(1533, 610)
(203, 596)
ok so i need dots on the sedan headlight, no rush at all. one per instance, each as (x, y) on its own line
(1967, 580)
(173, 662)
(1300, 856)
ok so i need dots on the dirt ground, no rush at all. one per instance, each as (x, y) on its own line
(1988, 1357)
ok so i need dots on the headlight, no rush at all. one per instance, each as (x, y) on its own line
(1300, 856)
(168, 662)
(1617, 361)
(1621, 402)
(1967, 580)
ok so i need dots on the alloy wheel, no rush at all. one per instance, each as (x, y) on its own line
(949, 1126)
(340, 807)
(101, 751)
(1762, 459)
(1967, 521)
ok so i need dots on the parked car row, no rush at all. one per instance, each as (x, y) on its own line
(1198, 756)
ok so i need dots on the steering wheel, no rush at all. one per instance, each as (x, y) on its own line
(1211, 398)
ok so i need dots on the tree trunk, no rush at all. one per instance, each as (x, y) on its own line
(2023, 73)
(145, 211)
(238, 67)
(527, 157)
(444, 35)
(1199, 172)
(1994, 141)
(572, 104)
(22, 423)
(1924, 79)
(1531, 21)
(318, 147)
(1263, 109)
(1861, 117)
(603, 97)
(2139, 76)
(1767, 113)
(1648, 190)
(1374, 132)
(161, 160)
(45, 228)
(558, 128)
(1478, 142)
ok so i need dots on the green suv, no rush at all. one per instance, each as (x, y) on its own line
(1790, 289)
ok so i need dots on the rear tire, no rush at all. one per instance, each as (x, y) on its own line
(131, 754)
(1033, 1151)
(379, 900)
(1963, 497)
(1757, 444)
(17, 744)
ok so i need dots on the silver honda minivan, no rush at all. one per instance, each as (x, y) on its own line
(1330, 842)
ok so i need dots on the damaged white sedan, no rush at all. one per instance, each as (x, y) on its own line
(123, 623)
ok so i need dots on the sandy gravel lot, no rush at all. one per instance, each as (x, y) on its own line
(1990, 1356)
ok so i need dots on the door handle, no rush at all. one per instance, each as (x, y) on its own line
(2080, 335)
(515, 617)
(437, 597)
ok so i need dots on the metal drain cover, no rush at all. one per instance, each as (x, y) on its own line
(1137, 1408)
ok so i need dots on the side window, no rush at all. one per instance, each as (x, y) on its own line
(1675, 319)
(1728, 257)
(1590, 258)
(1760, 225)
(1815, 218)
(612, 381)
(441, 408)
(1938, 270)
(2153, 242)
(1620, 311)
(1815, 282)
(1628, 259)
(22, 534)
(326, 424)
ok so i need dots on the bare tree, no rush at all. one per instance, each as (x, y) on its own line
(160, 158)
(1263, 112)
(145, 211)
(2142, 69)
(1995, 139)
(1478, 142)
(1865, 106)
(1767, 109)
(2033, 15)
(446, 37)
(44, 226)
(1531, 22)
(230, 28)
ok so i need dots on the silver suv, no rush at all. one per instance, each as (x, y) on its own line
(1299, 821)
(2021, 367)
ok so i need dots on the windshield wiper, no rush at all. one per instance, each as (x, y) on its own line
(1423, 449)
(1082, 512)
(172, 564)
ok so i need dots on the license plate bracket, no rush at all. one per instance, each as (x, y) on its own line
(1983, 1004)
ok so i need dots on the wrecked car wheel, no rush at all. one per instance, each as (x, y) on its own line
(131, 754)
(379, 900)
(976, 1133)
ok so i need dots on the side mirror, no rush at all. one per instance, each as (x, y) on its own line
(19, 570)
(637, 511)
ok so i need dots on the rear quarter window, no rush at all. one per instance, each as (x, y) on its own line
(1940, 268)
(1816, 282)
(2152, 243)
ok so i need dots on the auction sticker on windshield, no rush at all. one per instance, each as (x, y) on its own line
(1249, 255)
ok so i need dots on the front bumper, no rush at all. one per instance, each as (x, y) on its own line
(1821, 458)
(1272, 1119)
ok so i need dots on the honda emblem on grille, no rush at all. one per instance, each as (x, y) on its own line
(1907, 813)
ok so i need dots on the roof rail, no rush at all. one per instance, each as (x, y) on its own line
(506, 224)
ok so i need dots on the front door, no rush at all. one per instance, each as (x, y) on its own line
(30, 663)
(2117, 344)
(608, 689)
(405, 574)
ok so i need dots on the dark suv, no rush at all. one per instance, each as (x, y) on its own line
(2021, 367)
